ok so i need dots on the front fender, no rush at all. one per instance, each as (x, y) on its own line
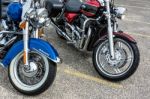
(125, 36)
(38, 45)
(117, 34)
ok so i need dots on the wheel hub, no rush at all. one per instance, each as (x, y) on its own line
(31, 70)
(118, 58)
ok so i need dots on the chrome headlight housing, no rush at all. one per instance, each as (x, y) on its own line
(42, 15)
(120, 12)
(31, 13)
(42, 12)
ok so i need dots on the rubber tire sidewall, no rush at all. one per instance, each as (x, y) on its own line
(132, 69)
(48, 82)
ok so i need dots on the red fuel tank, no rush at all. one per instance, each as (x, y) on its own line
(70, 16)
(90, 7)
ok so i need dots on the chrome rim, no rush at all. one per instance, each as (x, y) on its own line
(29, 78)
(123, 58)
(32, 74)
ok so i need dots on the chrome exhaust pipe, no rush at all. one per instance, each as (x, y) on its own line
(62, 33)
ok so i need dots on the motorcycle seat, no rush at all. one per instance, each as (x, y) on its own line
(73, 5)
(53, 6)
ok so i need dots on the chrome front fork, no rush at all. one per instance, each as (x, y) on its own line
(26, 41)
(36, 33)
(110, 30)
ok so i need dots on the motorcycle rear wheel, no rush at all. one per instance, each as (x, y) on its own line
(32, 82)
(123, 66)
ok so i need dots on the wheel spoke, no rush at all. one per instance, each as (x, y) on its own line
(124, 58)
(103, 60)
(103, 64)
(127, 59)
(117, 70)
(120, 44)
(29, 78)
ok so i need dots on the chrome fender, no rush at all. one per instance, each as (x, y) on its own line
(38, 45)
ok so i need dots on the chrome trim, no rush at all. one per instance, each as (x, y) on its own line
(11, 41)
(74, 30)
(83, 33)
(8, 43)
(11, 32)
(58, 60)
(62, 33)
(4, 24)
(120, 11)
(87, 39)
(115, 27)
(36, 33)
(25, 43)
(110, 31)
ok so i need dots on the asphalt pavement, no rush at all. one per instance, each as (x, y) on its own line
(76, 77)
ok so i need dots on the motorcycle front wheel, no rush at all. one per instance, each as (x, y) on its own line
(35, 78)
(126, 60)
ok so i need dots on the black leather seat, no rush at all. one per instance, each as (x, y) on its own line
(53, 6)
(73, 5)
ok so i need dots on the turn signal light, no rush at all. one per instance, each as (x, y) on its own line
(22, 25)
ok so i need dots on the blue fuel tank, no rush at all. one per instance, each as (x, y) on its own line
(14, 11)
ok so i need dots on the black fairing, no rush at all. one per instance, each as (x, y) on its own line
(97, 33)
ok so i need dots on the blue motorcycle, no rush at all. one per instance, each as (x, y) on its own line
(31, 60)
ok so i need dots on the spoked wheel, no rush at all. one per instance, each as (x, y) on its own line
(32, 79)
(123, 66)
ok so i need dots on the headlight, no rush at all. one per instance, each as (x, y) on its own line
(31, 13)
(120, 12)
(42, 15)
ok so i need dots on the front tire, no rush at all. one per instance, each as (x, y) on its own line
(126, 61)
(35, 82)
